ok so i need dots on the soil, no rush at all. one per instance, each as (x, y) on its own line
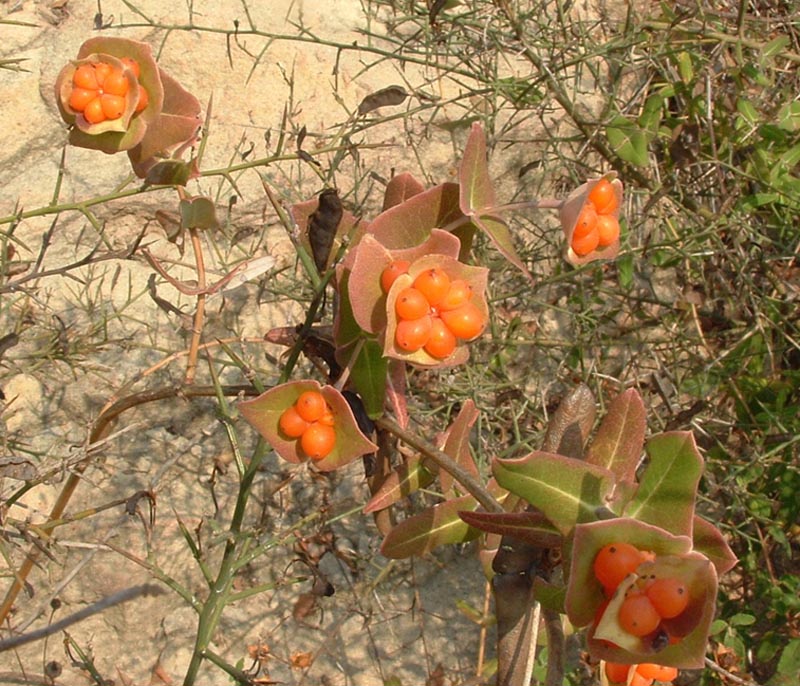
(85, 336)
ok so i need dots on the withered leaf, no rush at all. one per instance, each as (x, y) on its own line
(14, 467)
(322, 226)
(385, 97)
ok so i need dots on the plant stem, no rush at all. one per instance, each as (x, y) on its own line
(474, 487)
(200, 312)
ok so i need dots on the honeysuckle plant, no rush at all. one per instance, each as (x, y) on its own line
(590, 220)
(116, 98)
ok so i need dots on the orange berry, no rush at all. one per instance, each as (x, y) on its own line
(614, 562)
(84, 77)
(101, 70)
(412, 334)
(639, 680)
(434, 284)
(93, 112)
(132, 64)
(441, 342)
(144, 99)
(669, 597)
(465, 322)
(318, 440)
(80, 97)
(617, 672)
(637, 615)
(607, 230)
(113, 106)
(584, 245)
(311, 405)
(459, 293)
(411, 304)
(291, 423)
(327, 418)
(604, 197)
(390, 274)
(587, 222)
(116, 83)
(657, 672)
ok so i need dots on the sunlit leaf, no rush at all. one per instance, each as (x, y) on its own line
(666, 493)
(400, 188)
(709, 541)
(628, 140)
(619, 441)
(410, 223)
(456, 445)
(566, 490)
(476, 192)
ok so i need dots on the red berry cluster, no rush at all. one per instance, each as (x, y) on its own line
(650, 600)
(99, 90)
(643, 674)
(311, 421)
(434, 312)
(597, 226)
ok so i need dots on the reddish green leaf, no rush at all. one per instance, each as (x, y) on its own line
(456, 445)
(410, 223)
(567, 491)
(264, 413)
(402, 482)
(497, 231)
(530, 527)
(666, 493)
(476, 192)
(709, 540)
(619, 440)
(400, 188)
(438, 525)
(584, 592)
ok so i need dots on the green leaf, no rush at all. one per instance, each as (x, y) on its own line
(500, 235)
(788, 665)
(628, 141)
(475, 186)
(438, 525)
(749, 113)
(789, 116)
(566, 490)
(666, 493)
(685, 67)
(775, 46)
(618, 443)
(198, 213)
(368, 375)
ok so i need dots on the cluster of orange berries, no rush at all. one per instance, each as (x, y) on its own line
(647, 602)
(311, 421)
(99, 91)
(644, 674)
(597, 227)
(434, 312)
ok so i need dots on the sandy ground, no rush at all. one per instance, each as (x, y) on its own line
(86, 335)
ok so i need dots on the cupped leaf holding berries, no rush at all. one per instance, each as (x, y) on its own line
(272, 414)
(115, 97)
(590, 220)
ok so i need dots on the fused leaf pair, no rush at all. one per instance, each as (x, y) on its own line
(376, 311)
(154, 136)
(264, 414)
